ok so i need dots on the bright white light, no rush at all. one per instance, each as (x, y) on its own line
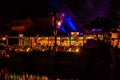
(59, 23)
(21, 35)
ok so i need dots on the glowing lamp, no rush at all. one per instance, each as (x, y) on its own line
(3, 38)
(59, 23)
(21, 35)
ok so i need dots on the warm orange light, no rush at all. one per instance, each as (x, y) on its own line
(3, 38)
(18, 28)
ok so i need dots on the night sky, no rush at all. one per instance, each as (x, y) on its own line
(23, 8)
(83, 11)
(41, 8)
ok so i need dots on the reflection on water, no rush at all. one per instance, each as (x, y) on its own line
(5, 74)
(25, 76)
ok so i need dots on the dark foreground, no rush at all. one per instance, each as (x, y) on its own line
(88, 64)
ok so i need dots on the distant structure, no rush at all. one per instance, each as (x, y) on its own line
(21, 25)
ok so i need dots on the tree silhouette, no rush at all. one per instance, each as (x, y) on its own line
(105, 23)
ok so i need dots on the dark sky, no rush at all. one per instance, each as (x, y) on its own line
(24, 8)
(84, 10)
(87, 10)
